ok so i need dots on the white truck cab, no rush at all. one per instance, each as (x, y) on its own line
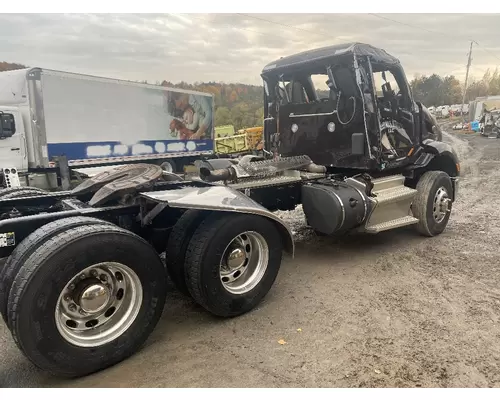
(13, 149)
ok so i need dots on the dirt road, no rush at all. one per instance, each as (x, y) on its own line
(394, 309)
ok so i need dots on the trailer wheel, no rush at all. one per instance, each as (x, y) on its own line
(432, 204)
(232, 261)
(21, 191)
(22, 252)
(177, 245)
(169, 166)
(86, 299)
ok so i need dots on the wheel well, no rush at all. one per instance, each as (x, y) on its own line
(285, 234)
(438, 163)
(443, 163)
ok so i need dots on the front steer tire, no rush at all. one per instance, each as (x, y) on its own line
(423, 204)
(52, 267)
(203, 262)
(23, 251)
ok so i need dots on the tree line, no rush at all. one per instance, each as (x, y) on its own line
(435, 90)
(242, 105)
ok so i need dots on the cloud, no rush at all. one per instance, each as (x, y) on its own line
(235, 47)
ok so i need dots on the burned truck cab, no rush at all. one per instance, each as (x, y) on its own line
(345, 139)
(346, 106)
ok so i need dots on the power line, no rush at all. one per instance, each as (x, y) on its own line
(281, 24)
(318, 32)
(232, 26)
(410, 25)
(435, 32)
(489, 52)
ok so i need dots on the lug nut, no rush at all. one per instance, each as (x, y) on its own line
(72, 307)
(71, 287)
(67, 297)
(93, 272)
(82, 276)
(103, 277)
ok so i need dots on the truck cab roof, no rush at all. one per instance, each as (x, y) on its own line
(333, 52)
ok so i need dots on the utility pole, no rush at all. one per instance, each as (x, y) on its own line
(466, 79)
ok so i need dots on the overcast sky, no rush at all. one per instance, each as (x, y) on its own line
(235, 47)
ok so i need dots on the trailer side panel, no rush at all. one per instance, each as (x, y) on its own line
(95, 119)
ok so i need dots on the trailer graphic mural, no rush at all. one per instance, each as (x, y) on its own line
(96, 118)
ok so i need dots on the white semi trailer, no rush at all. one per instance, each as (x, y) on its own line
(53, 119)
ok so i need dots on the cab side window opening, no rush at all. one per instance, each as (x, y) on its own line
(335, 86)
(292, 92)
(379, 81)
(319, 82)
(397, 131)
(390, 86)
(303, 88)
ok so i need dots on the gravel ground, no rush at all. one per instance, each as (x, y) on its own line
(392, 310)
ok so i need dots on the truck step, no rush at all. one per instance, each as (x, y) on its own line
(395, 223)
(394, 195)
(392, 202)
(388, 182)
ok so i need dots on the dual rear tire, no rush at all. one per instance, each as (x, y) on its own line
(81, 294)
(226, 262)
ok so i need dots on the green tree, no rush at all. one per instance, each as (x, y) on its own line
(451, 90)
(222, 116)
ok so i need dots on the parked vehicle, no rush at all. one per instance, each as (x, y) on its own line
(84, 286)
(490, 123)
(93, 121)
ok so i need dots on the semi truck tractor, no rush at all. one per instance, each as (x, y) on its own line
(51, 120)
(84, 285)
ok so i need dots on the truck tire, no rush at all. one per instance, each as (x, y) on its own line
(253, 247)
(22, 252)
(87, 277)
(432, 204)
(21, 191)
(177, 245)
(169, 166)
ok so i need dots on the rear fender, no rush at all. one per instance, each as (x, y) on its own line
(223, 199)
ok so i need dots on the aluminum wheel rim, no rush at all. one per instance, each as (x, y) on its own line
(167, 167)
(98, 304)
(440, 205)
(244, 262)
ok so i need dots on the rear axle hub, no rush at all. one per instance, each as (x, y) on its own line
(94, 298)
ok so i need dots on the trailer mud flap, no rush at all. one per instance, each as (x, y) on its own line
(219, 198)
